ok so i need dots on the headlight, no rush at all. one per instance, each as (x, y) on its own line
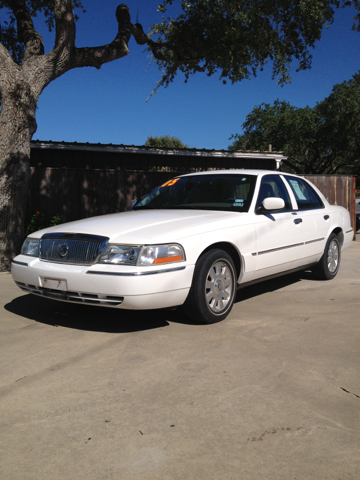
(120, 254)
(31, 247)
(160, 254)
(145, 256)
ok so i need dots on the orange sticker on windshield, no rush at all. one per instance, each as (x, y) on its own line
(170, 183)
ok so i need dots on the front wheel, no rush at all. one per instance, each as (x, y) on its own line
(329, 264)
(213, 289)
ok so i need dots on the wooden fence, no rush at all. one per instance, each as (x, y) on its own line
(76, 193)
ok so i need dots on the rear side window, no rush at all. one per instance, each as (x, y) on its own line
(305, 195)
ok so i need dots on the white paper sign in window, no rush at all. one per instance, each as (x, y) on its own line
(297, 190)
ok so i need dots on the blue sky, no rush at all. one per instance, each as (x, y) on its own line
(109, 105)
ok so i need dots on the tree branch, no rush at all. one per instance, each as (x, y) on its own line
(338, 166)
(328, 161)
(291, 165)
(33, 41)
(65, 56)
(118, 48)
(65, 24)
(141, 38)
(157, 48)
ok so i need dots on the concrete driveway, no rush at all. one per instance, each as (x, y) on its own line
(272, 392)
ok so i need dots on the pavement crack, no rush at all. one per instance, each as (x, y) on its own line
(351, 393)
(287, 431)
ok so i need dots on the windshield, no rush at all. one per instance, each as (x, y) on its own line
(229, 192)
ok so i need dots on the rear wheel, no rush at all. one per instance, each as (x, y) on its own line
(329, 264)
(213, 289)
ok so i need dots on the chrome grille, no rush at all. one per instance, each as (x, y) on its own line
(71, 248)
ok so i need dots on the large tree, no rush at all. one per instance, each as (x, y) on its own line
(234, 37)
(323, 139)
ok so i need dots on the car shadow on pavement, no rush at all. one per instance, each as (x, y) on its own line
(86, 317)
(272, 285)
(112, 320)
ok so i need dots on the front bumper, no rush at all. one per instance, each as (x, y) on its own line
(132, 288)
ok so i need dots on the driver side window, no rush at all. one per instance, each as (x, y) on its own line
(273, 186)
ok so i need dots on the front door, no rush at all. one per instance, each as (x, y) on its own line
(279, 245)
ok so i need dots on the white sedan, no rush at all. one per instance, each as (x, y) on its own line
(193, 241)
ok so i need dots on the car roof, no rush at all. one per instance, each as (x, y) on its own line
(236, 171)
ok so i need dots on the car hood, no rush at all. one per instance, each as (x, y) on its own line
(144, 226)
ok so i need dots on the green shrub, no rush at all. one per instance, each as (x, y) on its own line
(39, 221)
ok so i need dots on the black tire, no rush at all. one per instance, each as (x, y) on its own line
(329, 264)
(213, 288)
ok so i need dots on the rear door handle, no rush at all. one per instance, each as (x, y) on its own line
(297, 220)
(326, 217)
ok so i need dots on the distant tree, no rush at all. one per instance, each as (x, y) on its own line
(165, 141)
(339, 128)
(233, 37)
(323, 139)
(287, 128)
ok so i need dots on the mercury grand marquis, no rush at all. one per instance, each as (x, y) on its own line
(191, 242)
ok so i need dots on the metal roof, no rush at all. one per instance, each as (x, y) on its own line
(188, 152)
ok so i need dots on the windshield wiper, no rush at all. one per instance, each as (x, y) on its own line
(144, 207)
(181, 207)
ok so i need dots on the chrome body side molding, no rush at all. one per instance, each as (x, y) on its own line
(135, 274)
(287, 246)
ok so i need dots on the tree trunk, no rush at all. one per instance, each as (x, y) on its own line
(17, 126)
(20, 88)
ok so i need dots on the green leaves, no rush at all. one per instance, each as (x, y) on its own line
(39, 221)
(233, 38)
(236, 38)
(164, 142)
(9, 38)
(323, 139)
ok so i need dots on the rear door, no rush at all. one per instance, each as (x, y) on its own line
(314, 218)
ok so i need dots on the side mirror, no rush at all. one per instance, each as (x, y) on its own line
(273, 203)
(132, 203)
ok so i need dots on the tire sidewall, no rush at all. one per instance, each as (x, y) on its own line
(202, 269)
(324, 264)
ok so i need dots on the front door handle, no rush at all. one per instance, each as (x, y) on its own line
(297, 220)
